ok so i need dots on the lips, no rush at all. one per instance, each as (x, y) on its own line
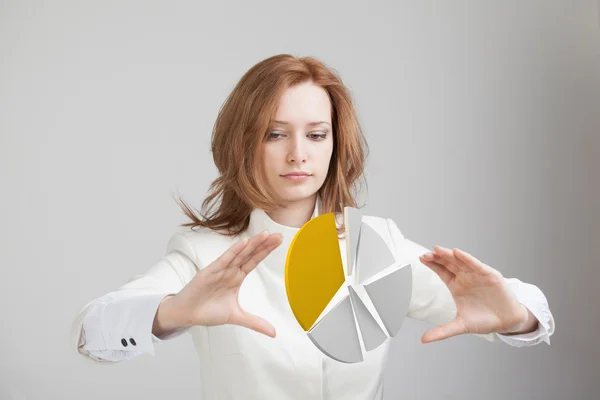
(297, 174)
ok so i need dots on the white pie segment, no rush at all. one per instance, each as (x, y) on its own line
(352, 224)
(372, 335)
(336, 335)
(390, 296)
(373, 254)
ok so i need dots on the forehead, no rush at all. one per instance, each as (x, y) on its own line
(304, 103)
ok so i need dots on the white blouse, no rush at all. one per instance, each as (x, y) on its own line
(238, 363)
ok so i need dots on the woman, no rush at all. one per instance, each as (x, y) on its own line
(288, 146)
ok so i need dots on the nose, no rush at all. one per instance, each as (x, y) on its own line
(297, 153)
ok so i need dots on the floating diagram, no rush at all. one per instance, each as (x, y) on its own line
(314, 274)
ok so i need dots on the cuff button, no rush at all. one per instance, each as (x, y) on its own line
(124, 342)
(132, 341)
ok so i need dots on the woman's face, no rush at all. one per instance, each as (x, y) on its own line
(299, 140)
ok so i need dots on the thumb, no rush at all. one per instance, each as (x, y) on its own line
(452, 328)
(253, 322)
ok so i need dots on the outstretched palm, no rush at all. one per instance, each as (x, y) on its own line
(211, 297)
(484, 302)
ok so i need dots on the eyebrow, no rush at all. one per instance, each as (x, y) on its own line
(309, 124)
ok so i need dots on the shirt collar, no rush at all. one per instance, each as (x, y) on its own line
(260, 220)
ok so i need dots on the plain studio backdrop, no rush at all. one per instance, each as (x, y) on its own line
(482, 122)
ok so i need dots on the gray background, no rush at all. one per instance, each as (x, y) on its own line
(481, 120)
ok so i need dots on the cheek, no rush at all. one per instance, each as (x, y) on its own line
(269, 159)
(325, 156)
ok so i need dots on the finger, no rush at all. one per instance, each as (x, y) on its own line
(452, 328)
(253, 243)
(231, 252)
(432, 257)
(262, 253)
(253, 322)
(258, 256)
(439, 269)
(267, 244)
(448, 258)
(472, 262)
(440, 260)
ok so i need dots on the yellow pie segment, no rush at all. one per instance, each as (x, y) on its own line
(313, 269)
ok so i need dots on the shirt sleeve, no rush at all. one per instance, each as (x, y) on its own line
(535, 300)
(431, 300)
(117, 326)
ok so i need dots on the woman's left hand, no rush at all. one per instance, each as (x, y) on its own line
(484, 302)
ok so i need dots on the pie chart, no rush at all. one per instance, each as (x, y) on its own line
(373, 289)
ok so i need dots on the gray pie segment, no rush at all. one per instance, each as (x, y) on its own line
(373, 336)
(336, 335)
(352, 221)
(373, 253)
(390, 296)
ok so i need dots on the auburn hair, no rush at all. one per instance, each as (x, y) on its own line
(242, 125)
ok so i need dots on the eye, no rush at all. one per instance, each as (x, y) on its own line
(274, 135)
(318, 136)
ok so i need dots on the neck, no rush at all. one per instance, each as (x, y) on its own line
(295, 214)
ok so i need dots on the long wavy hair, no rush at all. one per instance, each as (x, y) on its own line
(242, 126)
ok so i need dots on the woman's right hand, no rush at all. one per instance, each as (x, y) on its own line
(211, 297)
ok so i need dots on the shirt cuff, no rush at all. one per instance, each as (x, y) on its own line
(535, 301)
(170, 335)
(124, 325)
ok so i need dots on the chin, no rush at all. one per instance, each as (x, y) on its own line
(296, 194)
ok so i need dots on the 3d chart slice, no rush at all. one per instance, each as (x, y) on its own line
(314, 274)
(390, 296)
(371, 333)
(373, 254)
(352, 223)
(314, 270)
(335, 334)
